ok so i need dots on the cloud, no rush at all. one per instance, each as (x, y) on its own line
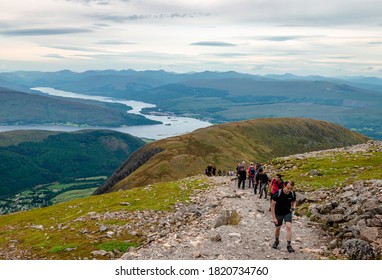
(44, 31)
(137, 17)
(213, 44)
(53, 55)
(96, 2)
(115, 42)
(72, 48)
(230, 54)
(375, 43)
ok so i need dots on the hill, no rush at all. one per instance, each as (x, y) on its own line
(44, 157)
(24, 108)
(225, 145)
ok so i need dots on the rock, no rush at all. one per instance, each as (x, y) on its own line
(215, 237)
(40, 227)
(325, 208)
(227, 218)
(370, 234)
(99, 253)
(102, 228)
(315, 172)
(125, 203)
(357, 249)
(335, 218)
(110, 233)
(333, 244)
(196, 255)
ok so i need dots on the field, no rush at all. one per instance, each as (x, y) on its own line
(48, 194)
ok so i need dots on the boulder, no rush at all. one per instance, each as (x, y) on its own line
(370, 234)
(315, 172)
(357, 249)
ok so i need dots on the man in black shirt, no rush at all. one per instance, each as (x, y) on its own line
(282, 208)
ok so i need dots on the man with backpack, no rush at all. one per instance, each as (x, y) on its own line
(251, 176)
(282, 209)
(263, 181)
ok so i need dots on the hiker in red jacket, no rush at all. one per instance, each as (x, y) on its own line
(275, 185)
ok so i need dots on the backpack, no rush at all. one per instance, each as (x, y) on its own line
(252, 170)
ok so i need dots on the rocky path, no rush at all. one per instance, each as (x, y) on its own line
(251, 238)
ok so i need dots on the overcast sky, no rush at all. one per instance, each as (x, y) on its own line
(304, 37)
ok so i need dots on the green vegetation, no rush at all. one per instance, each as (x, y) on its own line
(67, 231)
(337, 169)
(227, 144)
(117, 245)
(62, 157)
(18, 108)
(48, 194)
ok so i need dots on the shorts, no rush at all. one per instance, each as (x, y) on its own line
(286, 218)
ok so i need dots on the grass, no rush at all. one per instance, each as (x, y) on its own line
(117, 245)
(56, 232)
(338, 169)
(74, 194)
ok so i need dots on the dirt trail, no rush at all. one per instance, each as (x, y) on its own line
(250, 239)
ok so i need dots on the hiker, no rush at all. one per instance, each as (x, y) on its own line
(213, 170)
(209, 170)
(263, 182)
(242, 176)
(251, 175)
(257, 167)
(283, 206)
(276, 184)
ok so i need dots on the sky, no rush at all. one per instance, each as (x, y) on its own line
(303, 37)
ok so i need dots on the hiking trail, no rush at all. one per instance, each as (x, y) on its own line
(250, 239)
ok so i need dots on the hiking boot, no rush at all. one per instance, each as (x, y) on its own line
(274, 246)
(290, 249)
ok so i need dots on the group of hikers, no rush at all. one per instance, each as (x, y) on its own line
(282, 196)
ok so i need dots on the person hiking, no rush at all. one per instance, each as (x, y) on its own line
(209, 170)
(251, 175)
(242, 176)
(263, 181)
(275, 184)
(282, 209)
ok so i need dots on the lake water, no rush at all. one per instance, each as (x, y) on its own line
(170, 126)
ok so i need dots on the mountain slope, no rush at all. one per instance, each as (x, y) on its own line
(179, 217)
(25, 108)
(224, 145)
(61, 156)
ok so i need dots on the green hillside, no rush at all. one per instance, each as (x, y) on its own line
(76, 229)
(9, 138)
(225, 145)
(18, 108)
(64, 156)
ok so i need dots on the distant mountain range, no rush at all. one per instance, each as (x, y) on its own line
(224, 146)
(353, 102)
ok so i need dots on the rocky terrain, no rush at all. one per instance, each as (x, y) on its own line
(225, 222)
(229, 223)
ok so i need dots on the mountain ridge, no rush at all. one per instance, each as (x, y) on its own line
(225, 145)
